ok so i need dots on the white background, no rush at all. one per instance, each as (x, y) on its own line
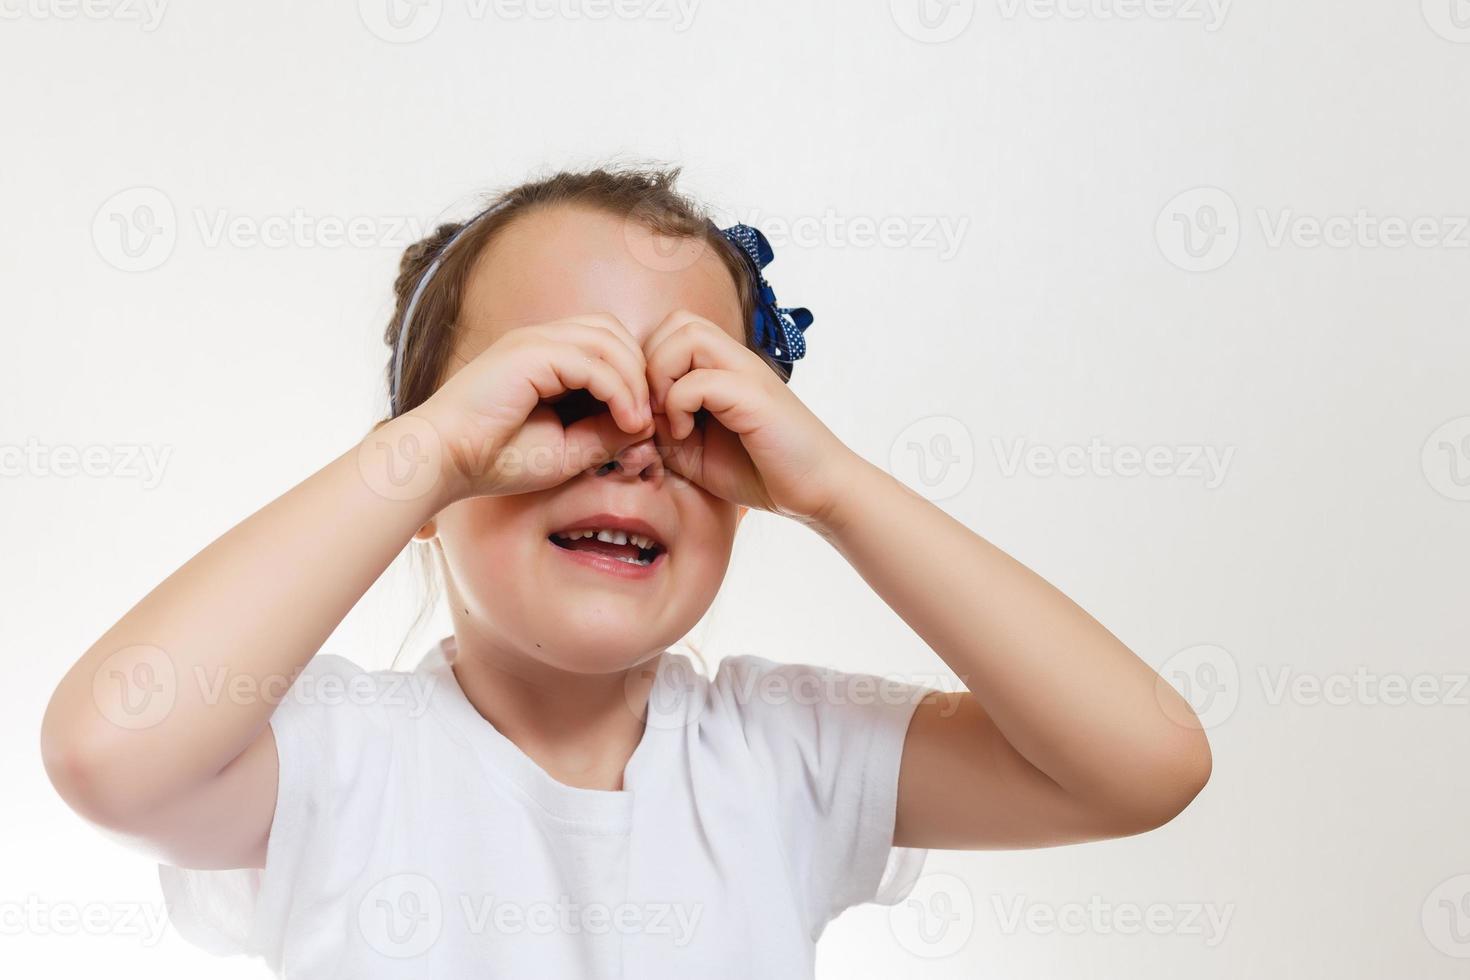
(1084, 303)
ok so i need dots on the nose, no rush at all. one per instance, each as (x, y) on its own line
(640, 461)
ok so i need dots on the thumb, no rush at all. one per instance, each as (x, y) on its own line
(680, 456)
(594, 440)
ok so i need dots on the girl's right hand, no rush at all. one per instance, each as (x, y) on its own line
(494, 416)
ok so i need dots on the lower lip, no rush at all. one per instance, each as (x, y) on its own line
(611, 566)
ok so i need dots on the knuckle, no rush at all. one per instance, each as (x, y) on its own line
(605, 320)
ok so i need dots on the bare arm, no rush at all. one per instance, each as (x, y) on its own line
(150, 736)
(143, 735)
(1064, 735)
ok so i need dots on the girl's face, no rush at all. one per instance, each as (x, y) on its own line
(514, 593)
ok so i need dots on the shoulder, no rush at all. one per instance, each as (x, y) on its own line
(339, 717)
(330, 681)
(762, 686)
(334, 732)
(829, 743)
(812, 710)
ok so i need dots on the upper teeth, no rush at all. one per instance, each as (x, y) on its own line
(611, 537)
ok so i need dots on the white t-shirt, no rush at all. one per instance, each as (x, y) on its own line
(412, 839)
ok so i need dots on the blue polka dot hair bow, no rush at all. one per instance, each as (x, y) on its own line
(778, 329)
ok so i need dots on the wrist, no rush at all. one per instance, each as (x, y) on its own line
(855, 481)
(409, 458)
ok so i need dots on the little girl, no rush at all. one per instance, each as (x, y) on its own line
(588, 393)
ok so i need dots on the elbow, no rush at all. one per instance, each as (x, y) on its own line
(1185, 778)
(1167, 785)
(70, 753)
(81, 765)
(76, 774)
(77, 778)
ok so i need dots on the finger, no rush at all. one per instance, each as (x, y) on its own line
(594, 440)
(614, 326)
(571, 366)
(673, 321)
(727, 395)
(687, 344)
(617, 348)
(679, 457)
(610, 323)
(609, 344)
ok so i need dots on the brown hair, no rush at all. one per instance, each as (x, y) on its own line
(644, 195)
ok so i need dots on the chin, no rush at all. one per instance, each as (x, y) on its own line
(597, 651)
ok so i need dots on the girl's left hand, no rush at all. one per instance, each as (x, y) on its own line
(761, 446)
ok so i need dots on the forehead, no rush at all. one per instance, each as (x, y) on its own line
(560, 261)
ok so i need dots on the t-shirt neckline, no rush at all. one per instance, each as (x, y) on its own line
(607, 811)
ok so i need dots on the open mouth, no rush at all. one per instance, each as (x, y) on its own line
(640, 550)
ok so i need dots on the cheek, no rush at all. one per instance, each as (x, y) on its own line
(707, 526)
(487, 546)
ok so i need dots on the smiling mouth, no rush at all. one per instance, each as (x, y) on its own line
(632, 549)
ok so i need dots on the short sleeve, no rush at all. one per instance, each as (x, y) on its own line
(831, 744)
(332, 743)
